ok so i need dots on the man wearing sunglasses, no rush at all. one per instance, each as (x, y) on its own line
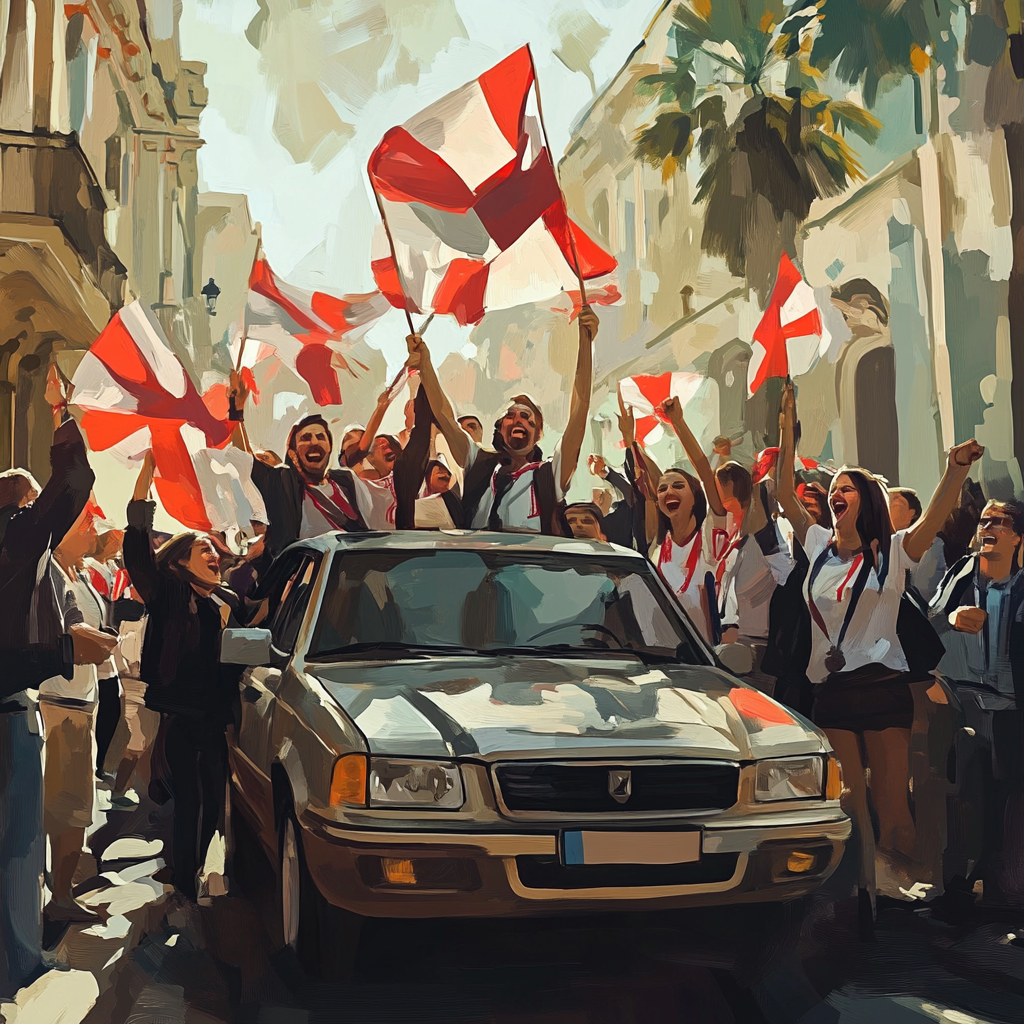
(978, 612)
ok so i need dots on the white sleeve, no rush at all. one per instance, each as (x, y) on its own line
(815, 541)
(556, 469)
(900, 562)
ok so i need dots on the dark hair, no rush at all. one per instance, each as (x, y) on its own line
(173, 552)
(700, 502)
(470, 416)
(1014, 509)
(14, 485)
(499, 442)
(393, 443)
(873, 522)
(739, 477)
(306, 421)
(910, 496)
(587, 506)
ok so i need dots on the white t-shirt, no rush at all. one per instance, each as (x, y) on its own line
(518, 509)
(74, 596)
(748, 583)
(375, 501)
(871, 636)
(684, 567)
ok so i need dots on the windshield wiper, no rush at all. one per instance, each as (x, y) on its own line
(391, 647)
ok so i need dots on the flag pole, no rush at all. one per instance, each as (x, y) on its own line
(394, 257)
(561, 194)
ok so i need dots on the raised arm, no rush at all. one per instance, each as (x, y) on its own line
(579, 404)
(673, 409)
(138, 552)
(919, 537)
(457, 438)
(354, 457)
(786, 494)
(45, 522)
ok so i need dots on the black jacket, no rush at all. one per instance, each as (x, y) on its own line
(28, 534)
(181, 650)
(283, 490)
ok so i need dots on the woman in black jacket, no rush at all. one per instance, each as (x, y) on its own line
(188, 608)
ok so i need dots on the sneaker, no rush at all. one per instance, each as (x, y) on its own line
(124, 801)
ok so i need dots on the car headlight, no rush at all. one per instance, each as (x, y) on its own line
(397, 783)
(790, 778)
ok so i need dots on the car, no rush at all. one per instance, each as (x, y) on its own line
(473, 724)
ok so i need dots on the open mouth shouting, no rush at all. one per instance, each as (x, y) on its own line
(314, 455)
(987, 541)
(672, 504)
(839, 507)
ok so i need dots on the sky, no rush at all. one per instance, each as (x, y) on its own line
(292, 127)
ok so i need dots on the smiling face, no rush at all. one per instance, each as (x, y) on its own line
(675, 497)
(203, 563)
(381, 456)
(996, 539)
(844, 501)
(519, 429)
(439, 481)
(311, 451)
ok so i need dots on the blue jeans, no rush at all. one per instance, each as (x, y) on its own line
(22, 849)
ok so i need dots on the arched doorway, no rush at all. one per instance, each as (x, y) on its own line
(878, 442)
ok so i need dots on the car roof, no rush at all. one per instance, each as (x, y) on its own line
(463, 540)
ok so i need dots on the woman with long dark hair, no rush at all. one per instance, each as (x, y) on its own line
(188, 608)
(861, 676)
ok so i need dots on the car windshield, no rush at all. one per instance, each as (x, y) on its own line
(497, 601)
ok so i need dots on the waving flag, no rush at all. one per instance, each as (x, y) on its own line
(136, 396)
(644, 394)
(311, 331)
(473, 205)
(791, 334)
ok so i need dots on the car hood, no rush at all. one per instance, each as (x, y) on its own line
(502, 707)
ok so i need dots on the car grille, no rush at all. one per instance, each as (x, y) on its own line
(548, 873)
(586, 788)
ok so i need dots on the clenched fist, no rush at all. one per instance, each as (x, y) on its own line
(968, 619)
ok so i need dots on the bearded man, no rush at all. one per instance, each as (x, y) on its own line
(514, 487)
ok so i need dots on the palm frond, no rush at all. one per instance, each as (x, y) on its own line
(849, 117)
(665, 142)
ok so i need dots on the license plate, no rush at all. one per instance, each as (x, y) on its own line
(631, 847)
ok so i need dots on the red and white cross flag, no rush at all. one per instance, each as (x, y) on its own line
(645, 393)
(136, 396)
(312, 332)
(791, 335)
(469, 193)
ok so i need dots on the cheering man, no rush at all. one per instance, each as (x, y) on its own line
(514, 488)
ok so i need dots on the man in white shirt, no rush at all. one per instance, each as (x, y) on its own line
(515, 488)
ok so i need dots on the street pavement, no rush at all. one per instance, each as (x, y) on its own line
(159, 960)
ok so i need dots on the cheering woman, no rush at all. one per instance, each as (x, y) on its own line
(853, 590)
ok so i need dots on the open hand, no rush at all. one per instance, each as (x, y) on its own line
(963, 455)
(588, 323)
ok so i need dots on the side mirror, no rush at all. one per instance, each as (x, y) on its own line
(737, 658)
(245, 647)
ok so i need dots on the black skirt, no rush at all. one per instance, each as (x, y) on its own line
(868, 699)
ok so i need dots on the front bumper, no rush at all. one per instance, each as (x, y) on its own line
(468, 874)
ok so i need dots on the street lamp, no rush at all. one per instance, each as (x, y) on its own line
(210, 291)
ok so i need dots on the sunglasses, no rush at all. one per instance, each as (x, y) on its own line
(995, 523)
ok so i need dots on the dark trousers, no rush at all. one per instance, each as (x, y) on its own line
(196, 752)
(22, 849)
(108, 714)
(992, 766)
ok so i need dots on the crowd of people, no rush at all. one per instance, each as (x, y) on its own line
(845, 597)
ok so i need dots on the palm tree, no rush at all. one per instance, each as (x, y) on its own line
(764, 166)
